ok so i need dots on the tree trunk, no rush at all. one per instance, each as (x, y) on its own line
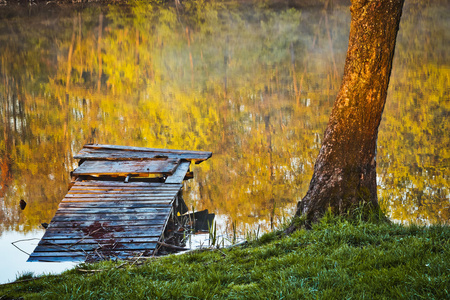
(345, 171)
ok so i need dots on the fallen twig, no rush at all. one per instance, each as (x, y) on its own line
(87, 271)
(172, 246)
(137, 259)
(13, 243)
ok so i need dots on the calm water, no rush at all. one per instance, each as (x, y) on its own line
(251, 84)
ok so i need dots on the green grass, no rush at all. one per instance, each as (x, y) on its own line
(337, 259)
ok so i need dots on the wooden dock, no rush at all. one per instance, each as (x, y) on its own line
(119, 203)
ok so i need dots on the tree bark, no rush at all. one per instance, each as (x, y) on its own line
(345, 170)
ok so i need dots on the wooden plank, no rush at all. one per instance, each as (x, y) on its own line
(84, 197)
(43, 247)
(166, 200)
(124, 168)
(115, 235)
(114, 184)
(161, 186)
(124, 191)
(69, 242)
(113, 152)
(47, 256)
(38, 258)
(115, 229)
(77, 256)
(115, 204)
(179, 174)
(128, 155)
(121, 191)
(101, 217)
(141, 149)
(107, 210)
(122, 195)
(75, 206)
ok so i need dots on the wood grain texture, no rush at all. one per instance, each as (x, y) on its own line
(78, 230)
(92, 154)
(116, 184)
(113, 152)
(106, 219)
(179, 174)
(124, 168)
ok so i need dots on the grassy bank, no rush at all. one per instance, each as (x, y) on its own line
(338, 259)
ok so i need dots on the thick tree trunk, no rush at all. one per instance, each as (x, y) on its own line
(345, 170)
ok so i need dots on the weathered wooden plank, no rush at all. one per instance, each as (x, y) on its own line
(107, 210)
(101, 217)
(164, 187)
(109, 236)
(110, 183)
(121, 195)
(141, 149)
(71, 198)
(116, 204)
(179, 174)
(117, 155)
(74, 190)
(44, 247)
(89, 240)
(82, 256)
(167, 200)
(38, 258)
(101, 205)
(132, 193)
(124, 168)
(113, 152)
(113, 229)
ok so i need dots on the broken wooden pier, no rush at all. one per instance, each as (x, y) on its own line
(119, 203)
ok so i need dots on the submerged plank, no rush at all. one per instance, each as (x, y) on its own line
(124, 168)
